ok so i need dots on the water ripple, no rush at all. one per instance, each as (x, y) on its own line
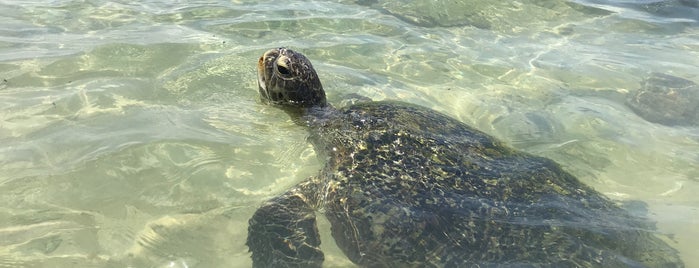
(131, 132)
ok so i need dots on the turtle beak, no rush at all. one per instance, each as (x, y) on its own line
(265, 72)
(261, 77)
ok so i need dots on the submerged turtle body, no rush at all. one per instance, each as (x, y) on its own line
(405, 186)
(667, 100)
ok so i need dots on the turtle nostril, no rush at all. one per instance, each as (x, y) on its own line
(283, 70)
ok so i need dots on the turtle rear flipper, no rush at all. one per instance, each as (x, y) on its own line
(283, 233)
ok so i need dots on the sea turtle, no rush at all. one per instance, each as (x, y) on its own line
(405, 186)
(666, 99)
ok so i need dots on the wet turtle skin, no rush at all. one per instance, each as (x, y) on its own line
(405, 186)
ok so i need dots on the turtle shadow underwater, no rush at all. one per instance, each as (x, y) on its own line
(405, 186)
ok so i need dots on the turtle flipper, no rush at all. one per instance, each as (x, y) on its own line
(283, 233)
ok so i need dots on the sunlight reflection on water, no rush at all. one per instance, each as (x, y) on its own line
(132, 135)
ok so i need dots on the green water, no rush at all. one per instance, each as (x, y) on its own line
(131, 134)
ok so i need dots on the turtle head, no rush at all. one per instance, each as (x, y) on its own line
(287, 78)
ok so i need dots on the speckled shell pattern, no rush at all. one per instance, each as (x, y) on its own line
(409, 187)
(406, 186)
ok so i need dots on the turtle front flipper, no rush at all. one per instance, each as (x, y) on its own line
(283, 232)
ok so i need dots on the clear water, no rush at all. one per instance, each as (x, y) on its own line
(131, 134)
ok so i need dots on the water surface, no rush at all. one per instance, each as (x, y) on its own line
(131, 133)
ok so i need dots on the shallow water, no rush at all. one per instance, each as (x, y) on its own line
(131, 134)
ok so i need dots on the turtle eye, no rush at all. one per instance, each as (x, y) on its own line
(283, 70)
